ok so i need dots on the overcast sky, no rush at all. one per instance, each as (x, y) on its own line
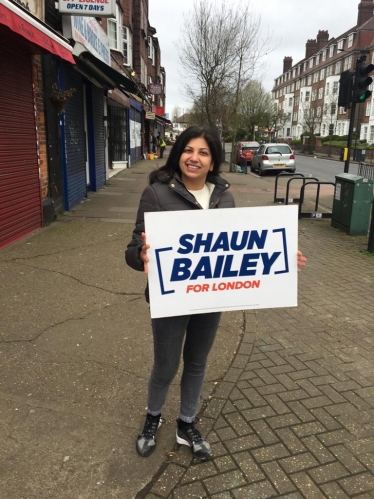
(290, 23)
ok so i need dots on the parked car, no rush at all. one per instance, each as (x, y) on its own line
(273, 157)
(244, 152)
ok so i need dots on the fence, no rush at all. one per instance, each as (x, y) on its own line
(366, 171)
(333, 151)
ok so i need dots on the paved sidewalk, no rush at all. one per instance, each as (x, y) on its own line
(288, 401)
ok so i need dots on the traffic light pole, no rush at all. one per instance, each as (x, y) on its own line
(350, 134)
(351, 120)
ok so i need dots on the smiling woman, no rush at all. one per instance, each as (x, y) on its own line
(188, 181)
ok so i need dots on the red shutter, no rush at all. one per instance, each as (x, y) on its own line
(20, 196)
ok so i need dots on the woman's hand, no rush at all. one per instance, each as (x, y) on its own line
(143, 252)
(301, 260)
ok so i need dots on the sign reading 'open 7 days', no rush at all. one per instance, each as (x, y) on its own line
(218, 260)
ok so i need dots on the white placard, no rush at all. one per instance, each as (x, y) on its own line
(218, 260)
(98, 8)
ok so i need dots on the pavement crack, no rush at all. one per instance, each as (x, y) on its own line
(116, 293)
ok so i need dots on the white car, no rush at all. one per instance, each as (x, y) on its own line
(273, 157)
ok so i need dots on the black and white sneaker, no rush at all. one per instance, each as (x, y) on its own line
(187, 434)
(146, 442)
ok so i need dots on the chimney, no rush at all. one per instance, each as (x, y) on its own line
(322, 38)
(287, 64)
(365, 11)
(310, 48)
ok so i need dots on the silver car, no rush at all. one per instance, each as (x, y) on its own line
(273, 157)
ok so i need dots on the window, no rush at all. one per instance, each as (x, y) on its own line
(315, 77)
(332, 50)
(294, 73)
(150, 47)
(288, 132)
(342, 110)
(350, 40)
(338, 67)
(304, 68)
(307, 96)
(311, 62)
(297, 99)
(295, 116)
(320, 93)
(322, 74)
(329, 70)
(368, 108)
(318, 111)
(318, 58)
(371, 133)
(333, 109)
(347, 62)
(298, 85)
(314, 95)
(290, 101)
(309, 80)
(324, 55)
(127, 46)
(335, 87)
(341, 44)
(303, 81)
(365, 134)
(114, 31)
(327, 88)
(292, 87)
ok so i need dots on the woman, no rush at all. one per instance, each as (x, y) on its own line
(189, 181)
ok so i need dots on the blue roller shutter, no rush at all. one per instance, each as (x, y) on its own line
(74, 141)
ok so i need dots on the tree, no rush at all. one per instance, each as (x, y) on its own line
(220, 51)
(255, 109)
(330, 115)
(311, 118)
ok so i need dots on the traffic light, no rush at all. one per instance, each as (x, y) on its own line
(363, 80)
(345, 89)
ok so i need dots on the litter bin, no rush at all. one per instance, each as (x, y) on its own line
(360, 155)
(352, 203)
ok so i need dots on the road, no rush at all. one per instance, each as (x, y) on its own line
(325, 170)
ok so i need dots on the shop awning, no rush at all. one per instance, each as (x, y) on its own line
(120, 79)
(163, 121)
(34, 30)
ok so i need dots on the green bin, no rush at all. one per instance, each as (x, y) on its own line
(352, 204)
(360, 155)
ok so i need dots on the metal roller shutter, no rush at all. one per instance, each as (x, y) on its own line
(75, 175)
(99, 140)
(20, 195)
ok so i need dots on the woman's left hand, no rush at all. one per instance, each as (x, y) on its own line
(301, 260)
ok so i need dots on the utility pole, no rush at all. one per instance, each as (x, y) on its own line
(359, 94)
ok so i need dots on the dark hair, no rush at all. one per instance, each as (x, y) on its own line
(166, 172)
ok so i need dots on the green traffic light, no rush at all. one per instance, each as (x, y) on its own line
(364, 96)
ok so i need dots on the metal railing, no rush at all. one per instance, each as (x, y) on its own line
(366, 171)
(282, 175)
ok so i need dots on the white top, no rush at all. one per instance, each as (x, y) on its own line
(203, 195)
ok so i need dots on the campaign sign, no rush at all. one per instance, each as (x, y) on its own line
(217, 260)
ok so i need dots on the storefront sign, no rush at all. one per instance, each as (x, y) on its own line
(150, 116)
(88, 32)
(155, 88)
(217, 260)
(99, 8)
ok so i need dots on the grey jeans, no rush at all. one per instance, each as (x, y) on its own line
(199, 332)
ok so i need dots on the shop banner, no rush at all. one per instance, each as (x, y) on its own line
(218, 260)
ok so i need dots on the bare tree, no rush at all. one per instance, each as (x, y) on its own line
(255, 108)
(220, 49)
(330, 115)
(311, 119)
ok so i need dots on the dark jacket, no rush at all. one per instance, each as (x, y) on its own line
(171, 196)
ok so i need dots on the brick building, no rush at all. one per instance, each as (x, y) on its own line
(306, 93)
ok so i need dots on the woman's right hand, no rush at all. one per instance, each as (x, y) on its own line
(143, 252)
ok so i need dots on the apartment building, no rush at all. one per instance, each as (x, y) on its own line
(306, 93)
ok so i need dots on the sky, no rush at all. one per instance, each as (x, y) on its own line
(290, 23)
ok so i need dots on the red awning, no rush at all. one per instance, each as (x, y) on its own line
(34, 31)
